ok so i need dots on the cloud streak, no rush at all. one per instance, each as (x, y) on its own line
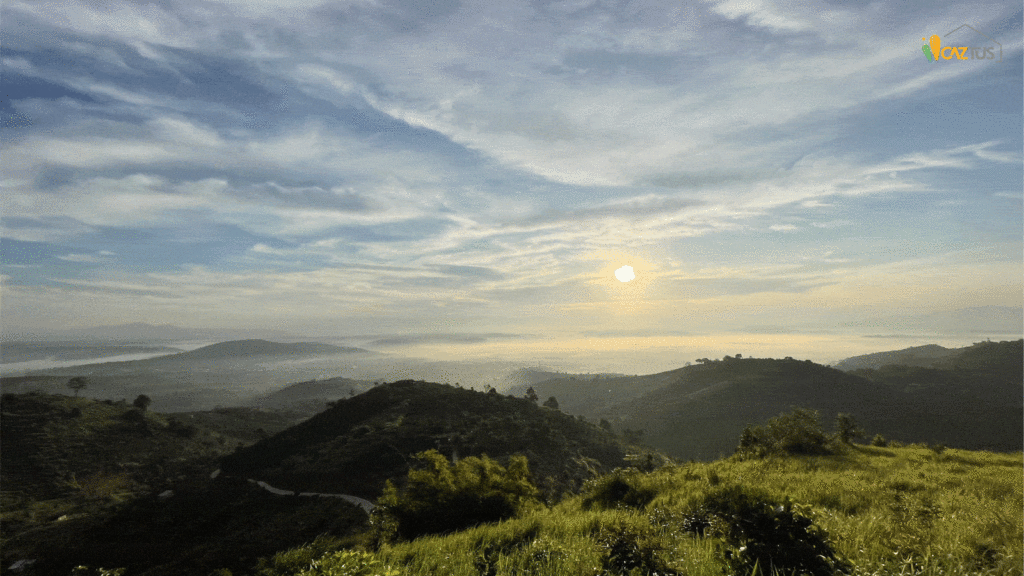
(483, 166)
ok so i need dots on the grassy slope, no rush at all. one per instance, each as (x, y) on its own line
(887, 510)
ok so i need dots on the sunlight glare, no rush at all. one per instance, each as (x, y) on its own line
(625, 274)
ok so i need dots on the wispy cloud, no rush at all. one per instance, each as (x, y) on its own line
(489, 165)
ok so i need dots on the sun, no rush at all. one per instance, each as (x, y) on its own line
(625, 274)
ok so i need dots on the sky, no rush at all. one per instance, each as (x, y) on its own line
(786, 176)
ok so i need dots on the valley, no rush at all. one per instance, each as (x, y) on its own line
(113, 483)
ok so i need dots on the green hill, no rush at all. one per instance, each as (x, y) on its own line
(976, 406)
(311, 396)
(592, 395)
(360, 442)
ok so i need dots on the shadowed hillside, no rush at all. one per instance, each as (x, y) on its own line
(976, 405)
(362, 441)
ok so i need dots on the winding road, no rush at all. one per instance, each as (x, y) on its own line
(363, 503)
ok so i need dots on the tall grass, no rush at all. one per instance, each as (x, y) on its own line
(909, 510)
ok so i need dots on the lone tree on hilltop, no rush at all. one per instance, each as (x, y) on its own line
(142, 402)
(78, 383)
(531, 395)
(551, 403)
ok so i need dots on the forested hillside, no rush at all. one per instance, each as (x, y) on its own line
(360, 442)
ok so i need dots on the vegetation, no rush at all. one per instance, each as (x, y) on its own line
(473, 484)
(971, 401)
(443, 497)
(379, 431)
(867, 511)
(78, 383)
(796, 432)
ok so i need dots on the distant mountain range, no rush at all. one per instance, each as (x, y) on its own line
(141, 332)
(916, 356)
(247, 348)
(969, 398)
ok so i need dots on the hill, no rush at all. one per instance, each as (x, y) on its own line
(976, 405)
(593, 395)
(12, 352)
(248, 348)
(227, 373)
(79, 478)
(354, 446)
(979, 355)
(916, 356)
(312, 396)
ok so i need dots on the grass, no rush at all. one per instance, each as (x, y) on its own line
(907, 510)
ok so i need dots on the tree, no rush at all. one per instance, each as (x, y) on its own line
(78, 383)
(847, 429)
(441, 496)
(551, 403)
(796, 432)
(531, 395)
(142, 402)
(605, 425)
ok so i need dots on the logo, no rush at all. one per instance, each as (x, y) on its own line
(967, 43)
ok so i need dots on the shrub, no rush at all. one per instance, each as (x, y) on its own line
(759, 532)
(178, 428)
(443, 497)
(627, 550)
(142, 402)
(796, 432)
(879, 441)
(847, 429)
(618, 489)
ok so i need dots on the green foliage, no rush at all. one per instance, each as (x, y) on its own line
(348, 563)
(142, 402)
(78, 383)
(443, 497)
(620, 488)
(879, 441)
(628, 550)
(552, 403)
(796, 432)
(761, 533)
(847, 429)
(297, 559)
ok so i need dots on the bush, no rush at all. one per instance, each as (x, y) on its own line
(629, 551)
(616, 490)
(759, 532)
(847, 429)
(184, 430)
(879, 441)
(443, 497)
(796, 432)
(142, 402)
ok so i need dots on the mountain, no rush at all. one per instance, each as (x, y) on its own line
(311, 396)
(975, 405)
(138, 332)
(11, 352)
(916, 356)
(247, 348)
(360, 442)
(81, 480)
(592, 395)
